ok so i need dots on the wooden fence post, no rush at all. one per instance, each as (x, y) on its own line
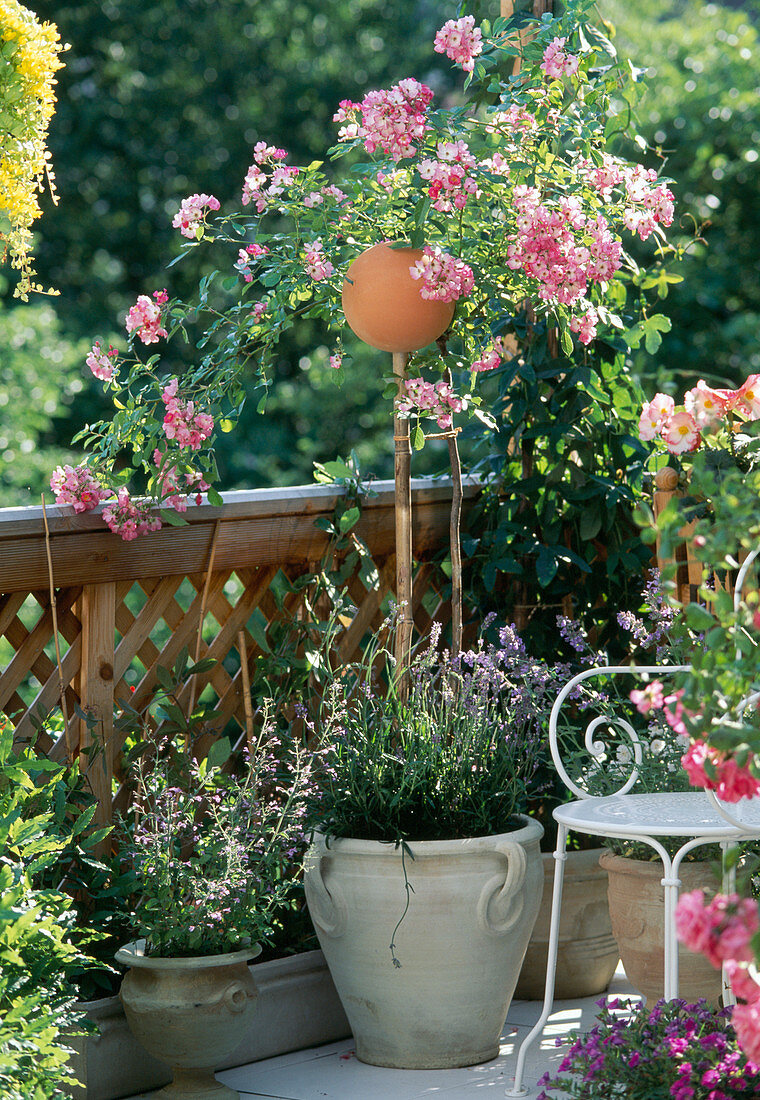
(98, 612)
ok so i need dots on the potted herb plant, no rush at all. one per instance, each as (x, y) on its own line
(424, 876)
(213, 853)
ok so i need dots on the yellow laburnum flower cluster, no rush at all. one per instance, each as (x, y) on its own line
(29, 59)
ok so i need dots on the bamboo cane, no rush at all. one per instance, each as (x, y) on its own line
(403, 509)
(61, 684)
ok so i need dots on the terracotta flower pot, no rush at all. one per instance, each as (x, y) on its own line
(637, 914)
(190, 1013)
(383, 305)
(588, 953)
(459, 946)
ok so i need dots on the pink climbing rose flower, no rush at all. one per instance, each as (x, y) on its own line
(316, 264)
(76, 485)
(557, 62)
(721, 929)
(129, 518)
(681, 434)
(461, 41)
(729, 781)
(434, 399)
(192, 213)
(144, 318)
(444, 278)
(182, 421)
(392, 120)
(102, 363)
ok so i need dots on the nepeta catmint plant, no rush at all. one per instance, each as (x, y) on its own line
(675, 1051)
(216, 853)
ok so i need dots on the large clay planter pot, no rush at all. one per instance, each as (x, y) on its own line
(459, 947)
(383, 305)
(636, 909)
(190, 1013)
(588, 953)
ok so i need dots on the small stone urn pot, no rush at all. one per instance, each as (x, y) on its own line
(190, 1013)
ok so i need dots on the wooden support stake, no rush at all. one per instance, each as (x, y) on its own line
(98, 612)
(246, 683)
(62, 686)
(204, 597)
(403, 509)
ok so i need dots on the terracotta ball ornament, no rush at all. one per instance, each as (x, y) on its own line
(383, 305)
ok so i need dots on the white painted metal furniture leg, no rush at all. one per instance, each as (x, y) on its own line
(670, 884)
(728, 886)
(560, 856)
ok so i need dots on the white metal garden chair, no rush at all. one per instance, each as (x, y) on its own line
(698, 818)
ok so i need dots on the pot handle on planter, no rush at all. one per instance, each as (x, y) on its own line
(236, 997)
(502, 900)
(328, 911)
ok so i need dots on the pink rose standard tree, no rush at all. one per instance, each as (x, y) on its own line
(519, 209)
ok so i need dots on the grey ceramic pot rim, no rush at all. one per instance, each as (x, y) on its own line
(531, 830)
(133, 954)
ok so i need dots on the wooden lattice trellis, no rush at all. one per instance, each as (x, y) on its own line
(125, 609)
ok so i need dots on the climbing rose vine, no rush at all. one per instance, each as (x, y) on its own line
(517, 202)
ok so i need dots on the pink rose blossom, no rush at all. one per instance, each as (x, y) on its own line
(436, 400)
(655, 416)
(491, 358)
(391, 120)
(192, 213)
(748, 397)
(315, 262)
(245, 255)
(731, 782)
(743, 985)
(102, 363)
(444, 278)
(181, 420)
(562, 248)
(461, 41)
(556, 62)
(746, 1022)
(76, 485)
(259, 187)
(144, 318)
(449, 178)
(705, 404)
(721, 930)
(129, 518)
(585, 323)
(681, 433)
(648, 698)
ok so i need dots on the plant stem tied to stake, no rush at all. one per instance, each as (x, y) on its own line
(403, 510)
(61, 684)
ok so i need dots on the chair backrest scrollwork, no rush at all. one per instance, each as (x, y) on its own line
(600, 749)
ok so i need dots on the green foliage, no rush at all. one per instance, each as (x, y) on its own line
(699, 106)
(41, 376)
(37, 952)
(726, 668)
(565, 469)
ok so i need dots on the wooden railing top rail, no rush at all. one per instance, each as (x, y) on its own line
(265, 526)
